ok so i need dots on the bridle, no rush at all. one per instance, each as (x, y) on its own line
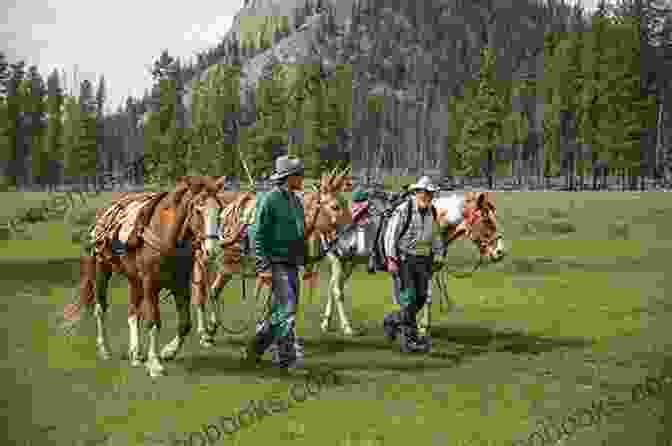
(472, 218)
(198, 238)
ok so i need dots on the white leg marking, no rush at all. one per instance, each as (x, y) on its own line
(206, 339)
(134, 341)
(171, 349)
(154, 365)
(340, 307)
(101, 340)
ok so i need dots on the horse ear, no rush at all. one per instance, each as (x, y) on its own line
(480, 201)
(220, 181)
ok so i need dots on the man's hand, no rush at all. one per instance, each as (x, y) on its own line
(393, 265)
(264, 279)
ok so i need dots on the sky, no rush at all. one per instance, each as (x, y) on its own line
(118, 39)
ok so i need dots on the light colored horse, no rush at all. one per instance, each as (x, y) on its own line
(325, 210)
(478, 223)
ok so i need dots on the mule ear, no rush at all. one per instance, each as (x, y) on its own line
(480, 201)
(220, 181)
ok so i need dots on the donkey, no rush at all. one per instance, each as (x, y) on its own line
(325, 210)
(170, 239)
(475, 211)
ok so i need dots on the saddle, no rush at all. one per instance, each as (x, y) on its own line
(234, 237)
(119, 226)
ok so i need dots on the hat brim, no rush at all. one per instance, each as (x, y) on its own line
(425, 188)
(288, 173)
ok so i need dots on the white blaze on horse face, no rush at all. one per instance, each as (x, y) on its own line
(211, 214)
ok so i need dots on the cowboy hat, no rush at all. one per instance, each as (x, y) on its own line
(424, 183)
(285, 166)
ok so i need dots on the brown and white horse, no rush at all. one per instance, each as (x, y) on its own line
(478, 223)
(186, 214)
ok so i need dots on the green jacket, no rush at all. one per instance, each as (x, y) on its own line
(278, 229)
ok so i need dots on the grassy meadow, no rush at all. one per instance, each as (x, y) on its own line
(578, 311)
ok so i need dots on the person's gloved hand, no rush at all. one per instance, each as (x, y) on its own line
(393, 265)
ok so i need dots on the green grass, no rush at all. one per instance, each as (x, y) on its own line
(565, 319)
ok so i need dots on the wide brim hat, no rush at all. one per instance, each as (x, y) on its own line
(286, 166)
(424, 183)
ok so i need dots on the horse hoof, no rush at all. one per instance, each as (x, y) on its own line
(168, 355)
(104, 355)
(156, 372)
(349, 332)
(212, 330)
(207, 342)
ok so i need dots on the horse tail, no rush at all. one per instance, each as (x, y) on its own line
(72, 313)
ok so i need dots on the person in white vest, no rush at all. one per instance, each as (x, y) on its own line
(408, 250)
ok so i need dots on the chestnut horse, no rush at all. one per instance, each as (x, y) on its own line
(325, 210)
(187, 216)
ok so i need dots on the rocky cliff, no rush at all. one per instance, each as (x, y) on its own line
(435, 51)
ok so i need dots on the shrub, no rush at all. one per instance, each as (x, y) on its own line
(34, 215)
(562, 227)
(557, 213)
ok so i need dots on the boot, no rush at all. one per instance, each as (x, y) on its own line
(391, 325)
(287, 354)
(257, 346)
(409, 341)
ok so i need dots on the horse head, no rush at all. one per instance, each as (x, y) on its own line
(328, 208)
(204, 209)
(479, 224)
(480, 221)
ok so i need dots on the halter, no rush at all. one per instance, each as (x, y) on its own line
(472, 217)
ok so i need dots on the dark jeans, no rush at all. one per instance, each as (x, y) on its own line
(415, 273)
(280, 324)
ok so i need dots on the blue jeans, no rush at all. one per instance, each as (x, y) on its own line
(285, 300)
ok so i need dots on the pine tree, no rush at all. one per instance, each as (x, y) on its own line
(70, 136)
(15, 128)
(101, 96)
(36, 111)
(265, 140)
(85, 151)
(482, 130)
(53, 140)
(217, 106)
(166, 144)
(4, 75)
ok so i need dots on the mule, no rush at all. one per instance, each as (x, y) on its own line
(325, 210)
(175, 232)
(479, 224)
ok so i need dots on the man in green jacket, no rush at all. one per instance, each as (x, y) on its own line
(279, 240)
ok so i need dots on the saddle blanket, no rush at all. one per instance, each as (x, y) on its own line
(120, 219)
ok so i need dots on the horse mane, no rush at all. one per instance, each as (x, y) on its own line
(333, 181)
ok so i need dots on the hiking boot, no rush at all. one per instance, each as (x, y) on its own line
(287, 354)
(255, 349)
(391, 325)
(410, 343)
